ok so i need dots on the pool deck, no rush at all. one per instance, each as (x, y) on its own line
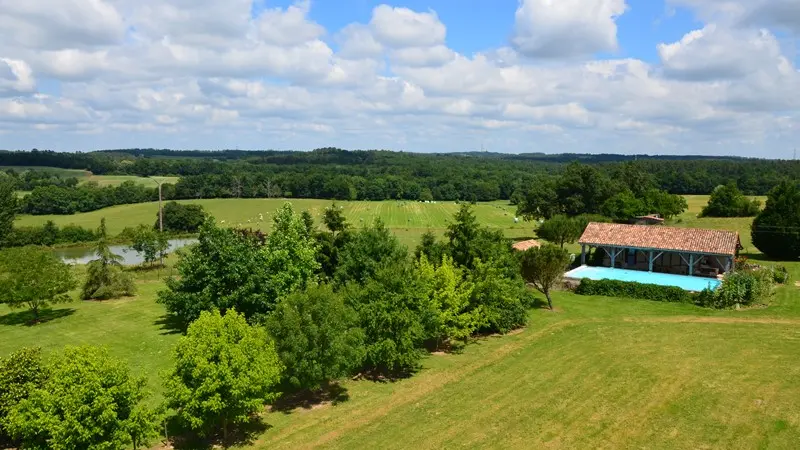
(686, 282)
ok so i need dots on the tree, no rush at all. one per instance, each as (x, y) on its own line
(88, 400)
(395, 314)
(543, 267)
(105, 278)
(462, 234)
(728, 201)
(225, 371)
(449, 296)
(665, 204)
(561, 230)
(316, 336)
(539, 200)
(8, 207)
(224, 270)
(149, 243)
(34, 278)
(182, 218)
(334, 219)
(624, 206)
(367, 251)
(291, 253)
(430, 247)
(501, 296)
(776, 230)
(308, 222)
(20, 374)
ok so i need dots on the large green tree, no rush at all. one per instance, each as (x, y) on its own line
(453, 318)
(8, 207)
(501, 296)
(34, 278)
(367, 251)
(544, 267)
(395, 314)
(728, 201)
(776, 230)
(561, 229)
(21, 373)
(291, 253)
(317, 337)
(227, 269)
(225, 371)
(88, 400)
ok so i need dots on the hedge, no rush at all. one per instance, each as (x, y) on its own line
(615, 288)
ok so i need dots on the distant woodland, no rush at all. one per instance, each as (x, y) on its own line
(331, 173)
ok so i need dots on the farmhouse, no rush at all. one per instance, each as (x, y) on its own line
(679, 251)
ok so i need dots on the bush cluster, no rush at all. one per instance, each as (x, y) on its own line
(49, 234)
(615, 288)
(741, 288)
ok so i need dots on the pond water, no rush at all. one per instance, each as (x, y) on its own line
(82, 255)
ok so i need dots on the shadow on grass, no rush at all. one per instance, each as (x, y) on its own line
(26, 317)
(169, 324)
(332, 393)
(239, 436)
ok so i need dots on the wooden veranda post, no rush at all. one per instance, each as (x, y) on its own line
(583, 255)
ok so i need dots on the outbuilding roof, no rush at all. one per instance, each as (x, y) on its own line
(692, 240)
(525, 245)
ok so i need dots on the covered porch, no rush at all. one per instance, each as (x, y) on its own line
(670, 250)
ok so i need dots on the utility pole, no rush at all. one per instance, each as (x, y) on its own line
(160, 215)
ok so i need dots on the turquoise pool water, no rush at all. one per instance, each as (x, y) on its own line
(664, 279)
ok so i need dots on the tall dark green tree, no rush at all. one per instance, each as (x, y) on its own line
(8, 208)
(462, 234)
(317, 338)
(367, 251)
(105, 277)
(776, 230)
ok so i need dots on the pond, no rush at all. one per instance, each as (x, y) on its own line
(82, 255)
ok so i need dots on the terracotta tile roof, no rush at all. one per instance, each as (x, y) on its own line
(716, 242)
(524, 245)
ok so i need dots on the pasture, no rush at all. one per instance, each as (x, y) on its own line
(598, 372)
(408, 220)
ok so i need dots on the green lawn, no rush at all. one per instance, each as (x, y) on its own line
(409, 220)
(598, 372)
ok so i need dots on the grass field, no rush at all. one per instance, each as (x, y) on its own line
(408, 220)
(598, 372)
(84, 176)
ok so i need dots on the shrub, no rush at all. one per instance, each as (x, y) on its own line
(780, 275)
(615, 288)
(745, 287)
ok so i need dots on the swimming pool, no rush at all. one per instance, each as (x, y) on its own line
(664, 279)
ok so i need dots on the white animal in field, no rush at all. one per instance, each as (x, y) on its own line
(260, 217)
(516, 219)
(248, 220)
(222, 221)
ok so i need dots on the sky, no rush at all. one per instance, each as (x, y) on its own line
(710, 77)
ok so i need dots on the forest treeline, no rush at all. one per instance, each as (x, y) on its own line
(364, 175)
